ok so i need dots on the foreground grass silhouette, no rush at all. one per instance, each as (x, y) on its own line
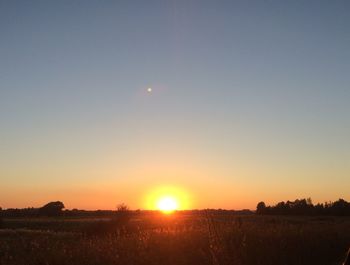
(183, 238)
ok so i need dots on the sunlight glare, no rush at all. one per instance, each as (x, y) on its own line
(167, 199)
(167, 204)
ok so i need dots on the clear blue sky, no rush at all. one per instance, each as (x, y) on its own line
(250, 101)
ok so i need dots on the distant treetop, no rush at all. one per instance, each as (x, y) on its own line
(305, 207)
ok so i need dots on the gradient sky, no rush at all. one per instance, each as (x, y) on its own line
(250, 101)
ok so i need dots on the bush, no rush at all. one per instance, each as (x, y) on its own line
(52, 209)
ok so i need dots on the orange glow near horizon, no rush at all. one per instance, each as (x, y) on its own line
(168, 199)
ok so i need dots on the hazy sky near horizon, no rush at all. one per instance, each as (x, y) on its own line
(250, 101)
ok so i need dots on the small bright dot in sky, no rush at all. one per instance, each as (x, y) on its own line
(149, 90)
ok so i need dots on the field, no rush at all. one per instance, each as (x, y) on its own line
(181, 238)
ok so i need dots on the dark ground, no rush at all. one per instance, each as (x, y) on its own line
(181, 238)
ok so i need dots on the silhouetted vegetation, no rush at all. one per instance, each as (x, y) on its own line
(206, 237)
(1, 221)
(305, 207)
(35, 212)
(199, 237)
(117, 222)
(52, 209)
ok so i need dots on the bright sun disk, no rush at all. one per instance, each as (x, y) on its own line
(167, 204)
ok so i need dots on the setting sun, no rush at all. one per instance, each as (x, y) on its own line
(168, 199)
(167, 204)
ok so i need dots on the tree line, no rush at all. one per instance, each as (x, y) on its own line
(297, 207)
(305, 207)
(50, 209)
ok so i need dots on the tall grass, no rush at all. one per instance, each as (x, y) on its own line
(179, 239)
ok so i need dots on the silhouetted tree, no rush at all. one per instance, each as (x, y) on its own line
(340, 207)
(319, 209)
(122, 207)
(305, 207)
(1, 221)
(118, 224)
(261, 208)
(52, 209)
(122, 214)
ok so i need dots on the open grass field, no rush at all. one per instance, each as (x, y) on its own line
(180, 238)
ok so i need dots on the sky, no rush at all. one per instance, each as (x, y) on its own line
(249, 102)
